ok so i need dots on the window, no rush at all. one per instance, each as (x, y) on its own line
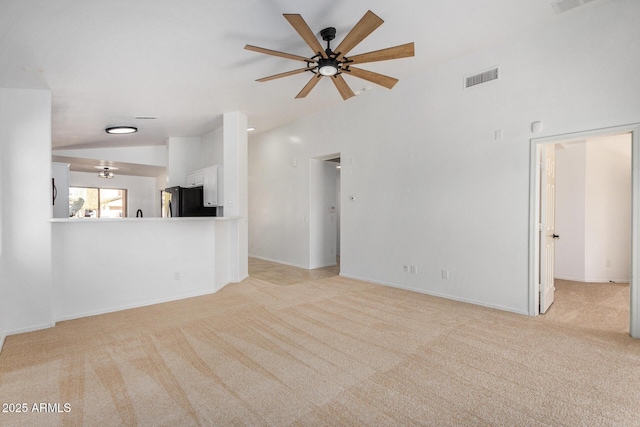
(89, 202)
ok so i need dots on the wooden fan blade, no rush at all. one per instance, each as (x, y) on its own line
(342, 87)
(285, 74)
(305, 32)
(402, 51)
(276, 53)
(310, 85)
(379, 79)
(367, 24)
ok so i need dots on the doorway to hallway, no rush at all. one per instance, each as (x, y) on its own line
(324, 211)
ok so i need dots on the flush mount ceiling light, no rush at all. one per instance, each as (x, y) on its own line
(105, 173)
(120, 130)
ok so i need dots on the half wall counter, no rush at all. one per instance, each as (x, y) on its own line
(105, 265)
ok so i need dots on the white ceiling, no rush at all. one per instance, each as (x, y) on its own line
(107, 61)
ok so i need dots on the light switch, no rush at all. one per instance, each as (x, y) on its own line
(536, 127)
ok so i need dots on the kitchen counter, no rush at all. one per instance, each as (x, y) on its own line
(134, 219)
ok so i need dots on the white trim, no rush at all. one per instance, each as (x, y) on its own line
(31, 328)
(279, 261)
(534, 227)
(331, 264)
(132, 306)
(583, 280)
(435, 294)
(2, 337)
(246, 276)
(634, 282)
(534, 188)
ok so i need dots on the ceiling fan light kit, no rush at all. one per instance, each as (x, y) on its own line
(329, 63)
(105, 173)
(328, 67)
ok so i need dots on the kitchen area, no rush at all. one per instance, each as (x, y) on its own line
(179, 234)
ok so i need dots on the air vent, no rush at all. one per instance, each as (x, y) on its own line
(564, 5)
(145, 118)
(484, 77)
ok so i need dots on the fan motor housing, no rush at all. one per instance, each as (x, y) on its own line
(328, 34)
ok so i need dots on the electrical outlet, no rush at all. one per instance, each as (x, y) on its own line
(445, 274)
(413, 269)
(406, 268)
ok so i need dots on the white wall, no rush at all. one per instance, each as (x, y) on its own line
(432, 186)
(236, 189)
(25, 142)
(3, 290)
(608, 210)
(141, 191)
(183, 156)
(107, 265)
(212, 148)
(279, 197)
(146, 155)
(571, 162)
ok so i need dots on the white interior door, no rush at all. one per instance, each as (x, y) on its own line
(547, 226)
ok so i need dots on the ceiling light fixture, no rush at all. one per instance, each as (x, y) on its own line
(121, 130)
(328, 66)
(106, 173)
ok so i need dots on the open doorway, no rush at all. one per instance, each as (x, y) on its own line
(586, 266)
(324, 211)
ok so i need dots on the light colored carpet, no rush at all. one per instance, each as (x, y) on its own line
(325, 351)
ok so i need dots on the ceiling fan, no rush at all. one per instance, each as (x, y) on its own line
(335, 64)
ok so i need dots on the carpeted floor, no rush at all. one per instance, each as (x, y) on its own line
(322, 351)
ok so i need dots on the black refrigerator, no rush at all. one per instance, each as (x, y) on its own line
(185, 202)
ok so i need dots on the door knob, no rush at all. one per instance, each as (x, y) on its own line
(555, 236)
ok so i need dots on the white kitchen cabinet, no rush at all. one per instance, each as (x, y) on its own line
(195, 178)
(212, 186)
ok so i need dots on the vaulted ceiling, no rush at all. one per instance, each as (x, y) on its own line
(109, 61)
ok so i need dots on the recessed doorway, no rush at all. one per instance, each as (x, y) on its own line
(324, 211)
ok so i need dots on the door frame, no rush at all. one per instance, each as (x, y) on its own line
(534, 217)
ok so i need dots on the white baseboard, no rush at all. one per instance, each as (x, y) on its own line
(436, 294)
(583, 280)
(31, 328)
(331, 264)
(279, 261)
(2, 337)
(132, 306)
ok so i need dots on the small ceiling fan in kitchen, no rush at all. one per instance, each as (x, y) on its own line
(335, 64)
